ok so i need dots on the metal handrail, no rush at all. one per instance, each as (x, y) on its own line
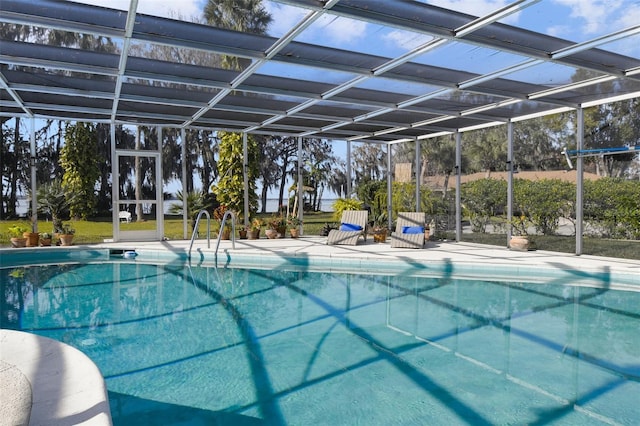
(195, 230)
(233, 230)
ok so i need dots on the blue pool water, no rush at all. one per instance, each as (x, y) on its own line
(199, 345)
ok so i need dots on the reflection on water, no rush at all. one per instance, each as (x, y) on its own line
(297, 347)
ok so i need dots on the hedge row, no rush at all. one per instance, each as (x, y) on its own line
(611, 206)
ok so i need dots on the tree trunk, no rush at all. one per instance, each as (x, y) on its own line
(263, 197)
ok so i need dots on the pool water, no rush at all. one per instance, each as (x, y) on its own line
(204, 345)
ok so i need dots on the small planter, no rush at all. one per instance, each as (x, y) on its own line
(17, 242)
(282, 231)
(519, 243)
(379, 235)
(294, 232)
(254, 234)
(45, 242)
(243, 234)
(271, 233)
(66, 239)
(32, 238)
(226, 234)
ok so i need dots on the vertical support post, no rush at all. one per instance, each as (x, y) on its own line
(389, 210)
(348, 169)
(115, 184)
(418, 175)
(579, 179)
(183, 154)
(34, 184)
(159, 189)
(245, 175)
(509, 178)
(458, 177)
(300, 185)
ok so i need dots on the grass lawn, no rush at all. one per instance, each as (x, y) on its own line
(99, 229)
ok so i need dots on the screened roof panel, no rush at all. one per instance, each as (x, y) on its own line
(80, 17)
(470, 58)
(359, 66)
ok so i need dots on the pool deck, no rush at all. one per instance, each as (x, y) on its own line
(313, 250)
(309, 252)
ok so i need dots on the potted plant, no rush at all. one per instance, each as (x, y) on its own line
(66, 235)
(520, 233)
(294, 224)
(16, 233)
(45, 239)
(242, 232)
(254, 230)
(32, 237)
(277, 223)
(218, 214)
(380, 229)
(52, 200)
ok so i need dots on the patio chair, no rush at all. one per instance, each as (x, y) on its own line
(353, 225)
(409, 230)
(124, 216)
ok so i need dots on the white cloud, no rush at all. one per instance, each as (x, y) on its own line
(341, 30)
(283, 17)
(406, 40)
(597, 15)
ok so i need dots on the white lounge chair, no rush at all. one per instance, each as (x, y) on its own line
(124, 216)
(409, 230)
(353, 225)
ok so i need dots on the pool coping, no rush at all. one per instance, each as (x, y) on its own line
(63, 386)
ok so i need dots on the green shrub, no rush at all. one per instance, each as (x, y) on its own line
(544, 202)
(342, 204)
(483, 199)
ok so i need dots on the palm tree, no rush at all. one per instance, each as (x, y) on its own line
(248, 16)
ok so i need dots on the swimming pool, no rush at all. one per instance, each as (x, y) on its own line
(199, 345)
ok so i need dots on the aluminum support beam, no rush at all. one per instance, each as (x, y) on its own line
(300, 187)
(509, 178)
(245, 176)
(418, 175)
(183, 154)
(458, 185)
(34, 183)
(579, 180)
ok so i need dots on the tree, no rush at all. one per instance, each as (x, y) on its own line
(81, 168)
(229, 190)
(247, 16)
(369, 163)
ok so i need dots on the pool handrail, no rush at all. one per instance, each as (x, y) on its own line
(195, 230)
(227, 214)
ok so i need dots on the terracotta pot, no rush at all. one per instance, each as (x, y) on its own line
(242, 234)
(271, 233)
(226, 234)
(66, 239)
(254, 234)
(379, 235)
(18, 242)
(32, 238)
(519, 243)
(45, 242)
(294, 232)
(282, 231)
